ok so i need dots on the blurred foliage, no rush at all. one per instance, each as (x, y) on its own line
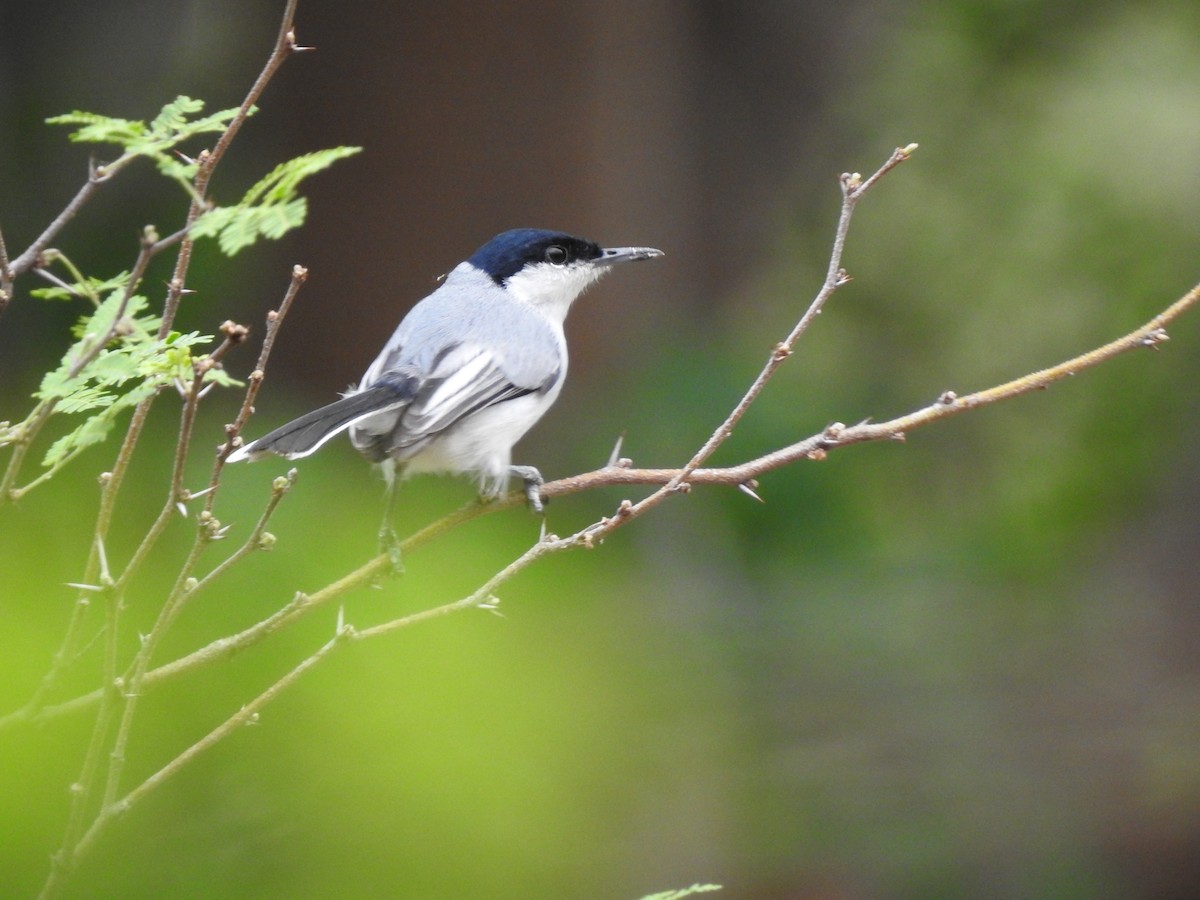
(963, 666)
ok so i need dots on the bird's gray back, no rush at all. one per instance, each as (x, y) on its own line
(465, 310)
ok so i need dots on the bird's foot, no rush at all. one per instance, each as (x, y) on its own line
(389, 545)
(533, 487)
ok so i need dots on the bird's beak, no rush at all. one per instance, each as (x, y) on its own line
(611, 255)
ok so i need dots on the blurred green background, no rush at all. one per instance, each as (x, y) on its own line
(963, 666)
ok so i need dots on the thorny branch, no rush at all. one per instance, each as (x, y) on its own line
(6, 276)
(234, 429)
(1152, 334)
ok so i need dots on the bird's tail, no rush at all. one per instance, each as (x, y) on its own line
(302, 436)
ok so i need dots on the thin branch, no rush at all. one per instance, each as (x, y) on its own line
(853, 190)
(274, 323)
(29, 258)
(285, 46)
(109, 482)
(258, 538)
(209, 530)
(1151, 334)
(46, 275)
(233, 430)
(21, 444)
(6, 276)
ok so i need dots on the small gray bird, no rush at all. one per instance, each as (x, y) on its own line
(469, 370)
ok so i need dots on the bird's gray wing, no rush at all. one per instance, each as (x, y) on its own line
(464, 379)
(470, 346)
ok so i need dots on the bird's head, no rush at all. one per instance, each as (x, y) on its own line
(549, 269)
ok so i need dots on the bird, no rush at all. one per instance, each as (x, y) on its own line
(469, 370)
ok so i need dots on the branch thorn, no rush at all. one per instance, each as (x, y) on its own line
(747, 488)
(615, 456)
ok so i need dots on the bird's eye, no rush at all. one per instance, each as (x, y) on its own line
(556, 255)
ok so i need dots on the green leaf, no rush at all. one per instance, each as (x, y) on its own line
(89, 287)
(174, 115)
(237, 227)
(176, 169)
(102, 319)
(113, 368)
(281, 184)
(83, 399)
(97, 129)
(96, 428)
(157, 140)
(271, 208)
(221, 378)
(217, 121)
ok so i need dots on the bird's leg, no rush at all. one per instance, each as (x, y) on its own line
(533, 486)
(389, 541)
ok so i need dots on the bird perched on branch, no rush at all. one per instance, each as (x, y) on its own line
(469, 370)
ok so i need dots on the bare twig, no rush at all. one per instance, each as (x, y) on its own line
(285, 46)
(853, 190)
(29, 258)
(948, 404)
(207, 161)
(258, 539)
(6, 276)
(234, 429)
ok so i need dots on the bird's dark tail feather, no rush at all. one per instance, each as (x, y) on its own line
(302, 436)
